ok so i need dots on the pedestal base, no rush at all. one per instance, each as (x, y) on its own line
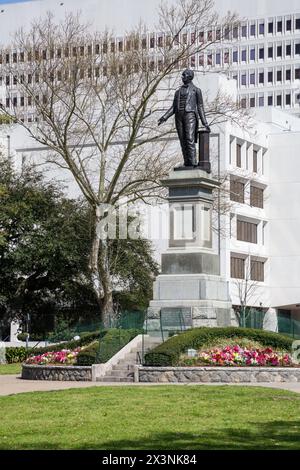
(205, 297)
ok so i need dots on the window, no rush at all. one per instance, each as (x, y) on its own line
(237, 267)
(279, 26)
(298, 23)
(201, 59)
(237, 191)
(288, 25)
(15, 101)
(270, 100)
(29, 101)
(235, 56)
(261, 101)
(288, 50)
(257, 271)
(270, 77)
(246, 231)
(261, 77)
(256, 197)
(7, 102)
(160, 41)
(288, 99)
(244, 31)
(288, 74)
(252, 54)
(244, 103)
(255, 154)
(252, 78)
(226, 57)
(7, 80)
(97, 49)
(235, 32)
(270, 27)
(261, 53)
(104, 48)
(279, 51)
(262, 28)
(279, 76)
(112, 47)
(270, 52)
(238, 155)
(243, 79)
(144, 43)
(14, 57)
(152, 43)
(297, 48)
(278, 100)
(252, 30)
(252, 102)
(218, 58)
(297, 73)
(244, 55)
(120, 46)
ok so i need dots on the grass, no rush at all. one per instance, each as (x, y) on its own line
(10, 369)
(163, 417)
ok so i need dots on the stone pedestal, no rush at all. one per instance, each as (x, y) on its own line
(190, 283)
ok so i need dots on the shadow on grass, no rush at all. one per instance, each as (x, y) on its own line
(281, 435)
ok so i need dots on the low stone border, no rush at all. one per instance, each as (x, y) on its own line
(217, 374)
(61, 373)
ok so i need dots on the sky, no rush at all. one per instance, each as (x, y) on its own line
(12, 1)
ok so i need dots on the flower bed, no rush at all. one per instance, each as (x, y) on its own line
(63, 357)
(238, 356)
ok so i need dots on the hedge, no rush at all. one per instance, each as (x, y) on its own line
(114, 340)
(20, 354)
(168, 353)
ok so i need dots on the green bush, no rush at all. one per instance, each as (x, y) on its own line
(32, 337)
(113, 341)
(13, 354)
(168, 353)
(87, 357)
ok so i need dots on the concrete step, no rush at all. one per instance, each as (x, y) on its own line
(110, 378)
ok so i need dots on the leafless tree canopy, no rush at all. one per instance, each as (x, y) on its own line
(96, 102)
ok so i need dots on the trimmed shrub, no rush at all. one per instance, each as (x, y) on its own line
(13, 354)
(114, 341)
(85, 339)
(168, 353)
(87, 357)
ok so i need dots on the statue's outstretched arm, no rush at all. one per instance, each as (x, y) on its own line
(168, 114)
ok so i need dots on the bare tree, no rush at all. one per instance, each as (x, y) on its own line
(94, 102)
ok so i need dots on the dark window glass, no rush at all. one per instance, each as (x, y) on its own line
(298, 23)
(279, 27)
(279, 75)
(252, 54)
(243, 80)
(252, 78)
(261, 28)
(288, 49)
(288, 25)
(297, 48)
(270, 52)
(261, 77)
(262, 53)
(235, 56)
(252, 102)
(244, 31)
(279, 100)
(261, 101)
(152, 43)
(297, 73)
(244, 55)
(243, 103)
(270, 27)
(288, 99)
(252, 30)
(218, 58)
(288, 74)
(279, 51)
(270, 100)
(270, 77)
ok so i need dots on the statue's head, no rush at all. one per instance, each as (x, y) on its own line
(187, 76)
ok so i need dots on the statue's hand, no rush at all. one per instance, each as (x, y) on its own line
(161, 120)
(208, 128)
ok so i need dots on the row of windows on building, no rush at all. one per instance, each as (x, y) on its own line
(242, 267)
(270, 76)
(254, 156)
(281, 98)
(250, 54)
(237, 193)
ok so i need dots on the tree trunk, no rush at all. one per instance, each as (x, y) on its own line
(99, 270)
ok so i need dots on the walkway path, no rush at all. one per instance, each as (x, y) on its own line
(12, 384)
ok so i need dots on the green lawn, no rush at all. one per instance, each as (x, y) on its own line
(163, 417)
(10, 369)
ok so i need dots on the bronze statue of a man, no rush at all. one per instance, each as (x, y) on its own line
(187, 107)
